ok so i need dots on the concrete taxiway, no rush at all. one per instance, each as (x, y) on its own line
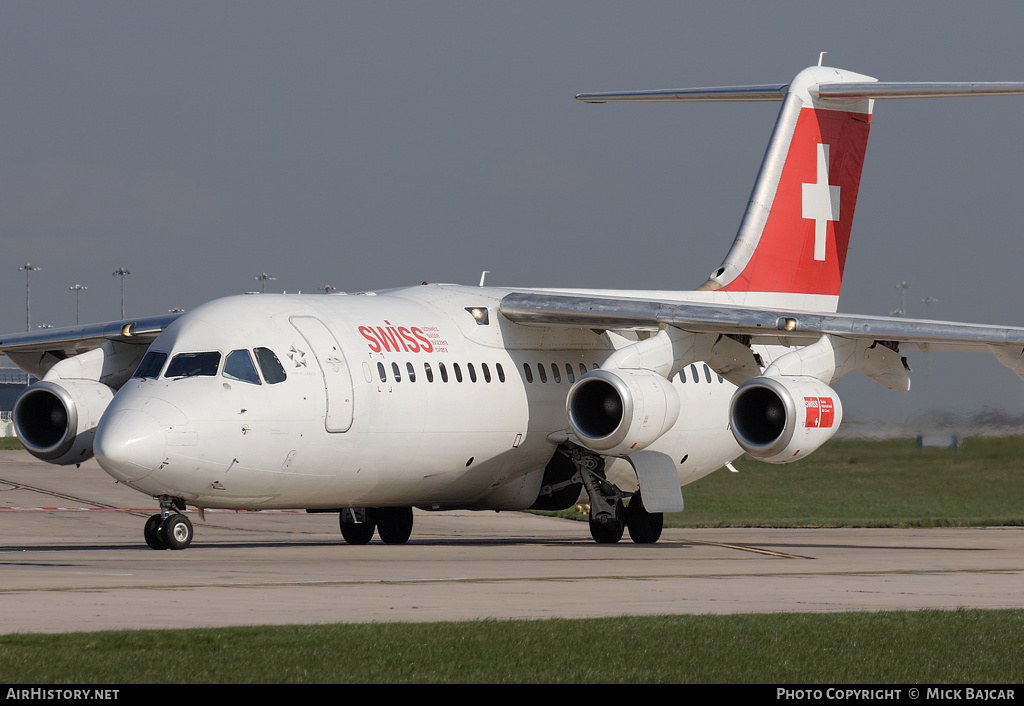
(72, 558)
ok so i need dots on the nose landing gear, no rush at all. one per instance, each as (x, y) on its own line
(168, 529)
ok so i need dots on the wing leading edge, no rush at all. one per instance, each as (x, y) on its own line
(763, 325)
(36, 352)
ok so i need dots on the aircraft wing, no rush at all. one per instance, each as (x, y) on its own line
(35, 352)
(763, 325)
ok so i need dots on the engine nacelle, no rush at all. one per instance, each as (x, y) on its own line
(619, 411)
(56, 420)
(782, 419)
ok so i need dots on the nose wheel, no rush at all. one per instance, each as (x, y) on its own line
(168, 529)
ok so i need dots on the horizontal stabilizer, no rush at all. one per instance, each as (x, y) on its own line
(917, 90)
(768, 92)
(833, 91)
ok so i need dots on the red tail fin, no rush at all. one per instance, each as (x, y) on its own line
(796, 230)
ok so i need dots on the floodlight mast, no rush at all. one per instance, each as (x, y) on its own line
(263, 277)
(121, 272)
(78, 289)
(26, 268)
(903, 287)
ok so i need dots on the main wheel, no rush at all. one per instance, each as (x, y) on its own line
(394, 524)
(176, 531)
(644, 527)
(357, 532)
(152, 532)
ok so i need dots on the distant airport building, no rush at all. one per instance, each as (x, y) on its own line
(12, 383)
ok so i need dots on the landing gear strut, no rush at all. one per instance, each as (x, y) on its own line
(607, 516)
(168, 529)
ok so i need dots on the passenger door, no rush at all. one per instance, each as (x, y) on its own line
(336, 375)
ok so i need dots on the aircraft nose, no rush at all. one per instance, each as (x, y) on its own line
(130, 444)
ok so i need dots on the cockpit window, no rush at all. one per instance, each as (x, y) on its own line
(238, 366)
(273, 371)
(186, 365)
(151, 365)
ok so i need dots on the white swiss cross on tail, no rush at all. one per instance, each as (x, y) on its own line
(821, 203)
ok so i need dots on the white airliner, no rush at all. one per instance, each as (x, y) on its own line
(446, 396)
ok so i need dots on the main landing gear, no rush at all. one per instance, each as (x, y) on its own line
(168, 529)
(392, 524)
(610, 514)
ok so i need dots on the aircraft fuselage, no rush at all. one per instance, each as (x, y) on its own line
(391, 399)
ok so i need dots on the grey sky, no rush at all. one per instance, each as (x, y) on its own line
(376, 144)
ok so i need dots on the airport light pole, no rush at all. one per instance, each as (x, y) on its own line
(122, 273)
(903, 287)
(263, 277)
(26, 268)
(77, 289)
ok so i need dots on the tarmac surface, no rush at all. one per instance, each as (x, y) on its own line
(72, 558)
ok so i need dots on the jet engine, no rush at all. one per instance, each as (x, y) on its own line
(782, 419)
(56, 420)
(619, 411)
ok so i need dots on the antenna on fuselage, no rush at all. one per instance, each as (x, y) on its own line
(483, 276)
(821, 56)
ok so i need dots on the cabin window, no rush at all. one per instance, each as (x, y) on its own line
(429, 372)
(187, 365)
(397, 371)
(151, 365)
(411, 371)
(682, 375)
(500, 371)
(444, 372)
(238, 366)
(458, 371)
(707, 372)
(568, 373)
(528, 371)
(486, 371)
(554, 372)
(542, 372)
(693, 373)
(472, 371)
(270, 366)
(583, 368)
(382, 372)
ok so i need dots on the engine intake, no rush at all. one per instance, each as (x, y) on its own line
(782, 419)
(56, 421)
(619, 411)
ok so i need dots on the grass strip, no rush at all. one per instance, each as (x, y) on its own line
(938, 647)
(867, 484)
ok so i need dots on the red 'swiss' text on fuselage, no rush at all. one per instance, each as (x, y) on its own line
(399, 339)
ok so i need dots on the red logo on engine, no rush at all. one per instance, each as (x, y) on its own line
(821, 412)
(398, 339)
